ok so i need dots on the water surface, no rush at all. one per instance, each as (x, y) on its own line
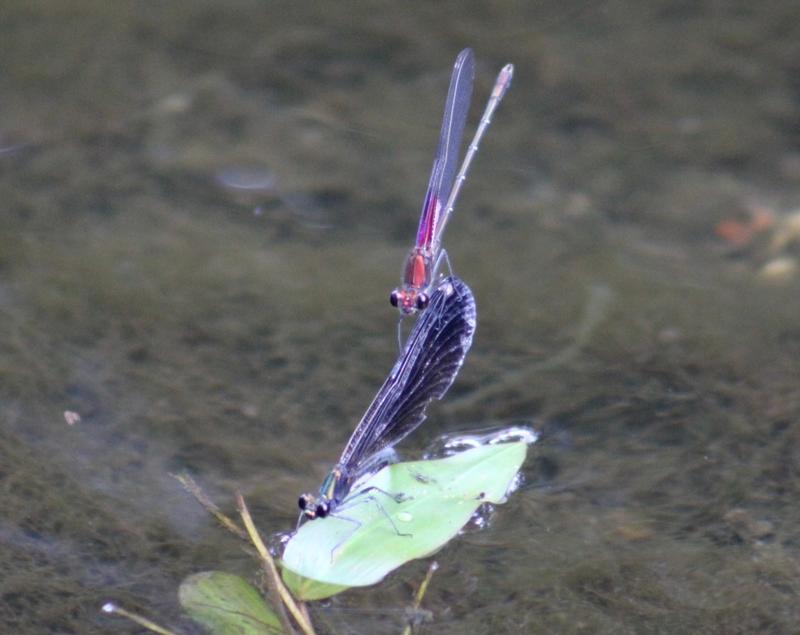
(204, 208)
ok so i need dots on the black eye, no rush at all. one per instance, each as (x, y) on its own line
(302, 502)
(422, 301)
(393, 298)
(322, 510)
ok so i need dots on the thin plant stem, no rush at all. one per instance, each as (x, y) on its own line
(421, 593)
(113, 609)
(272, 578)
(200, 496)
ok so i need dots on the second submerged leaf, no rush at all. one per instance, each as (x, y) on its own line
(226, 604)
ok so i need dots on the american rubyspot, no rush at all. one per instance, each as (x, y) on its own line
(424, 260)
(424, 371)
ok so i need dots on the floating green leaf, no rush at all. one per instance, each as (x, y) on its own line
(371, 534)
(226, 604)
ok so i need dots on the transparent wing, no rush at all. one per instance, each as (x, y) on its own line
(445, 160)
(425, 370)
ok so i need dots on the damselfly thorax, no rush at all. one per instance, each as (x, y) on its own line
(320, 506)
(418, 275)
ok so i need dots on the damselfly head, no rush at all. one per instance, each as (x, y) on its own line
(311, 508)
(408, 300)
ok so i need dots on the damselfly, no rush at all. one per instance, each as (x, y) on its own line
(425, 258)
(424, 371)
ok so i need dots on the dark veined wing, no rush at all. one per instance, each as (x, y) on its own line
(445, 160)
(424, 371)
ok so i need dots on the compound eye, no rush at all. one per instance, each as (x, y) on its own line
(322, 510)
(393, 298)
(302, 502)
(422, 301)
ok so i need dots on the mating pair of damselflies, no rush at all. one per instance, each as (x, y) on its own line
(442, 336)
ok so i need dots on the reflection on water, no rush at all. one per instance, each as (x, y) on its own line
(204, 210)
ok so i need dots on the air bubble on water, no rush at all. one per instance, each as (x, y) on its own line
(451, 444)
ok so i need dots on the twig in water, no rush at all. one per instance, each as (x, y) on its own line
(113, 609)
(421, 593)
(274, 582)
(193, 488)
